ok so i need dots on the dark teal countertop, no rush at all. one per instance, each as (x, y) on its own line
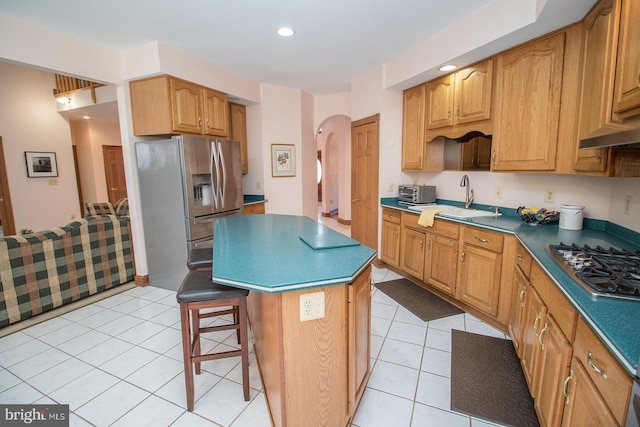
(616, 322)
(251, 199)
(266, 253)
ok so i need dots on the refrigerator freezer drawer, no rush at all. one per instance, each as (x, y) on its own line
(202, 227)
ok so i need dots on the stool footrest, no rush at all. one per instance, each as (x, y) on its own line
(223, 355)
(218, 313)
(219, 328)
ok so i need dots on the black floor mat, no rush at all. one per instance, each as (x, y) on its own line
(487, 380)
(417, 300)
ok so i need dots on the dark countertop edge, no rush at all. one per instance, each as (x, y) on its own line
(481, 222)
(295, 287)
(252, 199)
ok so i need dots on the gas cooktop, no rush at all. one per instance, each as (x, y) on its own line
(604, 272)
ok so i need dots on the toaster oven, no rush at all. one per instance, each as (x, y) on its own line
(416, 194)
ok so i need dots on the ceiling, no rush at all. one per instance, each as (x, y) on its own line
(336, 41)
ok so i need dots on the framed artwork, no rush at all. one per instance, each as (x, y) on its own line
(41, 164)
(283, 160)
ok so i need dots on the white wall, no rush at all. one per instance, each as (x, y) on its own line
(29, 121)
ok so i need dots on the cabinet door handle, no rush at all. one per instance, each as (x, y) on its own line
(535, 324)
(458, 112)
(421, 244)
(480, 239)
(565, 387)
(449, 115)
(520, 258)
(493, 157)
(429, 244)
(199, 122)
(522, 292)
(464, 252)
(540, 337)
(598, 370)
(397, 235)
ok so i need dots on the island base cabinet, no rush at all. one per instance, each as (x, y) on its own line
(314, 372)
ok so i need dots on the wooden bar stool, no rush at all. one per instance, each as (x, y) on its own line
(198, 292)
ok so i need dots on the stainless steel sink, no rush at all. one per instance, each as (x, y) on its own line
(456, 212)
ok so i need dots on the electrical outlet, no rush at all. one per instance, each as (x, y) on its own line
(628, 203)
(549, 195)
(311, 306)
(53, 181)
(259, 185)
(390, 188)
(498, 193)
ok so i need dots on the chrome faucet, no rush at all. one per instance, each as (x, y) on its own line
(468, 199)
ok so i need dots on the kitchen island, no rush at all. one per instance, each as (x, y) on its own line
(314, 371)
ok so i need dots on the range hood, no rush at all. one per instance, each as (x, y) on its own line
(625, 137)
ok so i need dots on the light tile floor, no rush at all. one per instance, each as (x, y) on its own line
(118, 362)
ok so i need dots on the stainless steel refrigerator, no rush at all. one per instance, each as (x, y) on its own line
(186, 183)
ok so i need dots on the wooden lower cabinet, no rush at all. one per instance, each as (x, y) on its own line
(412, 252)
(534, 316)
(441, 262)
(519, 290)
(358, 339)
(584, 405)
(479, 269)
(553, 367)
(253, 209)
(390, 246)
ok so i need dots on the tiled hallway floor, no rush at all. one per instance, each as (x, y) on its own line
(118, 362)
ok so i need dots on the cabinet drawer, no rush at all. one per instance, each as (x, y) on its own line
(523, 259)
(613, 383)
(391, 215)
(445, 229)
(557, 305)
(490, 240)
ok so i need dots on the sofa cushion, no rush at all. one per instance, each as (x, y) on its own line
(122, 207)
(99, 208)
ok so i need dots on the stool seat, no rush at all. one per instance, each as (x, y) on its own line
(197, 286)
(200, 259)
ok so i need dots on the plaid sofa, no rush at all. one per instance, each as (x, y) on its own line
(47, 269)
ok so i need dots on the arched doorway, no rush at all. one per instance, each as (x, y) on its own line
(333, 139)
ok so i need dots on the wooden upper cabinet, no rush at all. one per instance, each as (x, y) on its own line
(627, 79)
(600, 32)
(460, 98)
(440, 94)
(216, 113)
(413, 140)
(186, 100)
(167, 105)
(238, 131)
(527, 105)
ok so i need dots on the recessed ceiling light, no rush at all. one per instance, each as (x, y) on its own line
(86, 117)
(285, 32)
(448, 67)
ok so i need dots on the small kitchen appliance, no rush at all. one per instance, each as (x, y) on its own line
(602, 272)
(413, 194)
(571, 217)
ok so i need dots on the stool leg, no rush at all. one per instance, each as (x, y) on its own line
(244, 346)
(186, 354)
(236, 321)
(195, 321)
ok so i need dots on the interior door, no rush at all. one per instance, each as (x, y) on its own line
(6, 211)
(114, 172)
(364, 180)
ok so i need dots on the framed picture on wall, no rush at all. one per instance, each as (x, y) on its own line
(283, 160)
(41, 164)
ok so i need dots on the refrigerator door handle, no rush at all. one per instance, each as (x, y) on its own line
(224, 175)
(214, 169)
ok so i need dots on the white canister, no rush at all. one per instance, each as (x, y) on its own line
(571, 217)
